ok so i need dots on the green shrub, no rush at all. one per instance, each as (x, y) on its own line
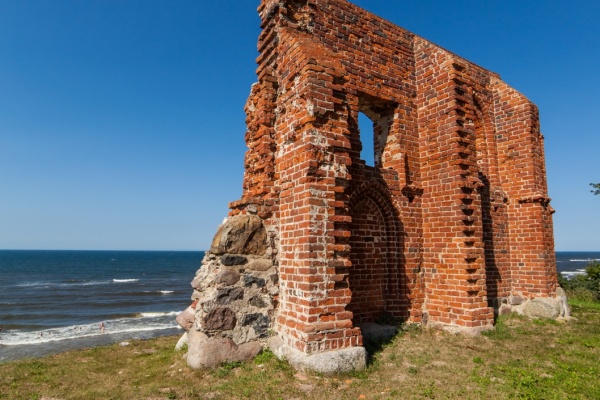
(584, 287)
(593, 271)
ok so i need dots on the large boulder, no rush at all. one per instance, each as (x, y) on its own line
(182, 342)
(542, 308)
(204, 352)
(185, 319)
(242, 234)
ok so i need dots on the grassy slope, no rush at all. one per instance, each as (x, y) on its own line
(522, 359)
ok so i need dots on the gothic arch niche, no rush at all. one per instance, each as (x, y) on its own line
(375, 273)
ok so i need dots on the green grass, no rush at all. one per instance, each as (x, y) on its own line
(520, 359)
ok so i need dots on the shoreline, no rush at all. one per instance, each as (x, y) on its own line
(10, 353)
(513, 361)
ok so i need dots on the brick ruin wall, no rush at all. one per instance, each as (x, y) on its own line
(450, 225)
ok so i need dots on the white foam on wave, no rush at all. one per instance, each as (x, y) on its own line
(160, 291)
(33, 284)
(124, 280)
(149, 322)
(92, 283)
(62, 284)
(570, 274)
(585, 260)
(159, 314)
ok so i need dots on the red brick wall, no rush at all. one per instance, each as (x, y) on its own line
(521, 166)
(453, 215)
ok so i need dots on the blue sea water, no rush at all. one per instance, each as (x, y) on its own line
(52, 301)
(570, 263)
(55, 300)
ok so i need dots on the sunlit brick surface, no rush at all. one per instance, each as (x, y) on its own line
(453, 216)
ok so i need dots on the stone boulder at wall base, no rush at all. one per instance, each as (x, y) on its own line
(185, 319)
(542, 308)
(205, 353)
(234, 295)
(242, 234)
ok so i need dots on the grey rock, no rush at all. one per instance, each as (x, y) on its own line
(257, 301)
(561, 297)
(515, 300)
(220, 319)
(504, 309)
(260, 264)
(250, 280)
(185, 319)
(213, 352)
(195, 340)
(197, 282)
(228, 277)
(230, 260)
(229, 295)
(242, 234)
(182, 342)
(260, 323)
(329, 362)
(542, 308)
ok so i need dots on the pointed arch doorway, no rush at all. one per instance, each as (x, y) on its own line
(374, 275)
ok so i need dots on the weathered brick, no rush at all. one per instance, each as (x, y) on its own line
(453, 215)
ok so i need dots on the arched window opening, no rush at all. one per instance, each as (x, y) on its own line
(375, 120)
(367, 139)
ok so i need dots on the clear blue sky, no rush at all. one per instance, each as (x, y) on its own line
(122, 122)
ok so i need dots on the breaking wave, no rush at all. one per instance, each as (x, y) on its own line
(141, 322)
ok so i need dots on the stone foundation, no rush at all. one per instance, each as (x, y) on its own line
(235, 292)
(333, 361)
(544, 307)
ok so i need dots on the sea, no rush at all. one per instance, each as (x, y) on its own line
(53, 301)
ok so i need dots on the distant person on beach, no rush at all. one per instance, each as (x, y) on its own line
(102, 327)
